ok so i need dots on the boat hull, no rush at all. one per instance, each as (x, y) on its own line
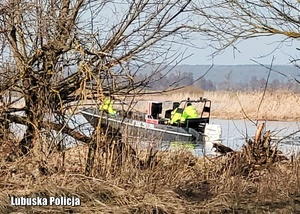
(140, 130)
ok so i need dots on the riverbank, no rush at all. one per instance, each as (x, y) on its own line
(177, 183)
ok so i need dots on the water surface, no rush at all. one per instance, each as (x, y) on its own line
(234, 135)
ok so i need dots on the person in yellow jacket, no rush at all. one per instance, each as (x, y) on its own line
(175, 117)
(107, 105)
(175, 114)
(189, 112)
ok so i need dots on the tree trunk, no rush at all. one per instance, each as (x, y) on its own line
(93, 145)
(33, 111)
(91, 157)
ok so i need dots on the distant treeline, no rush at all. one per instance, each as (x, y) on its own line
(176, 79)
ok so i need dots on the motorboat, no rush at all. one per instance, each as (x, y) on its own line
(155, 125)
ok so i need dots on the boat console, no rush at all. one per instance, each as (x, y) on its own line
(154, 109)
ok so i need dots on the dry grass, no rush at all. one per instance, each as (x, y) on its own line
(177, 183)
(276, 105)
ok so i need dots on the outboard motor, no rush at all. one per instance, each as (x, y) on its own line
(212, 132)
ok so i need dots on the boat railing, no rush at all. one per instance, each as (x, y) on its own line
(196, 123)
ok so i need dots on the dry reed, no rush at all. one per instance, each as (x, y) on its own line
(275, 105)
(174, 182)
(177, 183)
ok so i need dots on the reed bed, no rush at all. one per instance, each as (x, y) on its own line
(275, 105)
(271, 105)
(176, 182)
(280, 105)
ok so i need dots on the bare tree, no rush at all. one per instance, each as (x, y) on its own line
(226, 22)
(53, 51)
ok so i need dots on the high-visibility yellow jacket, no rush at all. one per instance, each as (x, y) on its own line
(175, 116)
(107, 105)
(189, 113)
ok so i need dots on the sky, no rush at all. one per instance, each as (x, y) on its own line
(257, 50)
(252, 51)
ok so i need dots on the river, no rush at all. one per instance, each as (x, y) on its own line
(234, 134)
